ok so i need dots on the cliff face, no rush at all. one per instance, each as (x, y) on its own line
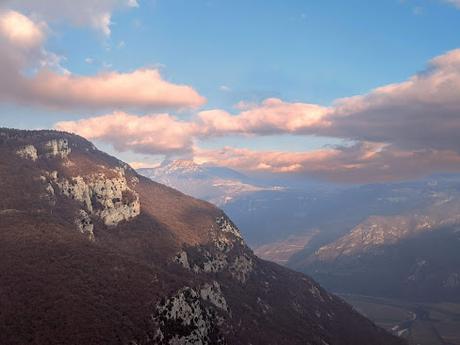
(92, 253)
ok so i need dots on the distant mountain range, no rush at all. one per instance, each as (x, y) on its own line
(413, 255)
(273, 214)
(218, 185)
(397, 239)
(93, 253)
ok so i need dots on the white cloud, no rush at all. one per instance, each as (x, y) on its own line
(225, 88)
(133, 3)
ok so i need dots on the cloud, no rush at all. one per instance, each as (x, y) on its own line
(272, 116)
(150, 134)
(82, 13)
(33, 76)
(21, 42)
(225, 88)
(140, 89)
(422, 112)
(20, 31)
(359, 163)
(398, 131)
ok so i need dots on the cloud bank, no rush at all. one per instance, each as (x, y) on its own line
(398, 131)
(422, 112)
(359, 163)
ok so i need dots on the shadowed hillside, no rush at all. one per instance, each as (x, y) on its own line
(92, 253)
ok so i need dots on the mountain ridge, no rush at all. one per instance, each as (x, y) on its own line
(91, 252)
(218, 185)
(411, 255)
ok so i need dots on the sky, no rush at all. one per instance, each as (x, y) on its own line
(344, 91)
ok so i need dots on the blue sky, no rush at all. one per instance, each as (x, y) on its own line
(313, 51)
(233, 51)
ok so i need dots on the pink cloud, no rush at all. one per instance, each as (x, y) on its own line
(420, 113)
(360, 163)
(140, 89)
(151, 134)
(52, 86)
(20, 31)
(271, 116)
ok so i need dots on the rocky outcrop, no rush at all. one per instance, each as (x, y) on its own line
(241, 267)
(28, 152)
(227, 252)
(209, 262)
(215, 259)
(110, 199)
(226, 225)
(184, 319)
(182, 259)
(57, 148)
(213, 294)
(85, 224)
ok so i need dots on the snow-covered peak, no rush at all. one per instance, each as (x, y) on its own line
(173, 168)
(180, 165)
(218, 185)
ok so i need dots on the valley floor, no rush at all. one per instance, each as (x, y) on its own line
(419, 323)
